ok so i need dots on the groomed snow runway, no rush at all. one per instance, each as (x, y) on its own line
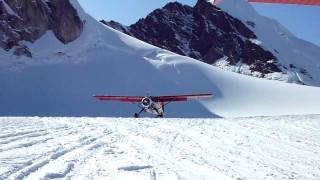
(286, 147)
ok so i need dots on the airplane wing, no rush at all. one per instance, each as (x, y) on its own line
(180, 97)
(137, 99)
(302, 2)
(120, 98)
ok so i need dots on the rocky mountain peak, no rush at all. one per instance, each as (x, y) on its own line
(206, 6)
(207, 33)
(175, 6)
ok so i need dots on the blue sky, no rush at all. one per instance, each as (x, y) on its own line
(303, 21)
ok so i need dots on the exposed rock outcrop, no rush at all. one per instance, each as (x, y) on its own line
(28, 20)
(67, 24)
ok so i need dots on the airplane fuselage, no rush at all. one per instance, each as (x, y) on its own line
(152, 107)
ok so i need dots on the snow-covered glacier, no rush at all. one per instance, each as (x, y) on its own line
(60, 80)
(285, 147)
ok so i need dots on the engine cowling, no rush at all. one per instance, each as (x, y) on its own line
(146, 102)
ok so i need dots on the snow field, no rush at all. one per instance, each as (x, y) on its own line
(282, 147)
(60, 79)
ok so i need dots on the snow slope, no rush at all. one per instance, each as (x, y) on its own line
(60, 80)
(113, 148)
(277, 39)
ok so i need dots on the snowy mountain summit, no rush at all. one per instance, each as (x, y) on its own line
(234, 38)
(61, 77)
(299, 58)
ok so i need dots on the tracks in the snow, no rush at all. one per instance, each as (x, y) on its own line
(46, 153)
(78, 148)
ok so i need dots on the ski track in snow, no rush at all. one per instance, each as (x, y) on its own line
(285, 147)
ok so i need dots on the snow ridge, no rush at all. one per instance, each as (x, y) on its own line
(298, 56)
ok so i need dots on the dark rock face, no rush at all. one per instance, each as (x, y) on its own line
(117, 26)
(202, 32)
(28, 20)
(67, 24)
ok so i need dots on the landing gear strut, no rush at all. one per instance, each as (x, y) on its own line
(156, 108)
(137, 115)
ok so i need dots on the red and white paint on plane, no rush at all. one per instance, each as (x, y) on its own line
(215, 2)
(301, 2)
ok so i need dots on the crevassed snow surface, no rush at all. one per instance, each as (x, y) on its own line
(60, 80)
(285, 147)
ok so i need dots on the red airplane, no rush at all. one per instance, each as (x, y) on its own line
(153, 104)
(298, 2)
(301, 2)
